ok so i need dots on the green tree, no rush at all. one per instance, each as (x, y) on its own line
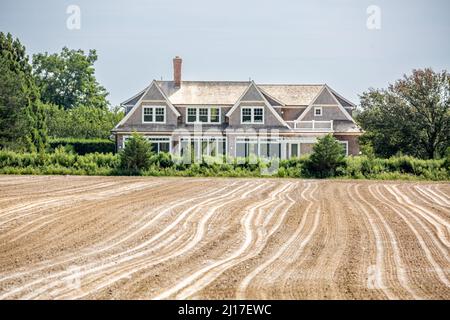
(81, 122)
(412, 116)
(68, 79)
(327, 155)
(136, 155)
(22, 120)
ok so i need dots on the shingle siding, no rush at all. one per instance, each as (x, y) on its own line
(252, 95)
(153, 94)
(353, 145)
(328, 113)
(291, 114)
(325, 98)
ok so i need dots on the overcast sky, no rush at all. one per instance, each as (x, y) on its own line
(280, 41)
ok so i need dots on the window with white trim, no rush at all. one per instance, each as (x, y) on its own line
(158, 144)
(252, 115)
(160, 115)
(203, 115)
(246, 115)
(214, 116)
(195, 148)
(192, 115)
(317, 111)
(246, 147)
(153, 114)
(345, 147)
(260, 147)
(258, 115)
(209, 115)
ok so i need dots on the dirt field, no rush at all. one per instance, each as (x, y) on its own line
(158, 238)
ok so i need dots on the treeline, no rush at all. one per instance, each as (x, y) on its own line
(137, 159)
(410, 117)
(51, 96)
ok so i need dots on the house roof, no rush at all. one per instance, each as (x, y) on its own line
(228, 92)
(204, 92)
(292, 94)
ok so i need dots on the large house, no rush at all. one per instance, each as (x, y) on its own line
(237, 118)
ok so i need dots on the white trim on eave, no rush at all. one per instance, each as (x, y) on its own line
(137, 94)
(128, 115)
(352, 105)
(303, 114)
(325, 87)
(282, 104)
(167, 100)
(347, 115)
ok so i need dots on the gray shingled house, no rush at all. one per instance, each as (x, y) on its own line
(237, 118)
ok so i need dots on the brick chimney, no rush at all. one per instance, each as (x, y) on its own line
(177, 71)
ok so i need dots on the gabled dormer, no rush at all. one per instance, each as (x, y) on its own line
(150, 109)
(253, 109)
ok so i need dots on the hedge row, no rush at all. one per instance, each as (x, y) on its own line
(61, 162)
(376, 168)
(84, 146)
(58, 162)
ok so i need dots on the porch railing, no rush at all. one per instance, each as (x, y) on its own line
(313, 125)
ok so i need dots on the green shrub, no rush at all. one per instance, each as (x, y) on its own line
(62, 158)
(327, 156)
(405, 167)
(162, 160)
(136, 156)
(84, 146)
(447, 159)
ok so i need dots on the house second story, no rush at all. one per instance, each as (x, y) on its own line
(165, 106)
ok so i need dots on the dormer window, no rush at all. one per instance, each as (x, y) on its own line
(317, 111)
(203, 114)
(153, 114)
(252, 115)
(215, 115)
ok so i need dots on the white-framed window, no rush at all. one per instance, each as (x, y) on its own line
(317, 111)
(195, 148)
(191, 115)
(246, 147)
(209, 115)
(259, 147)
(345, 145)
(252, 115)
(214, 115)
(294, 150)
(246, 115)
(153, 114)
(203, 115)
(158, 143)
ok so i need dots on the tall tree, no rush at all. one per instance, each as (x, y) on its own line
(82, 121)
(327, 156)
(22, 120)
(68, 79)
(412, 116)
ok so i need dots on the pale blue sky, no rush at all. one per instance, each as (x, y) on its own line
(278, 41)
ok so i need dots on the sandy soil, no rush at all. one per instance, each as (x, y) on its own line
(176, 238)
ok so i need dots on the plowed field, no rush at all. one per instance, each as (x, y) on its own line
(204, 238)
